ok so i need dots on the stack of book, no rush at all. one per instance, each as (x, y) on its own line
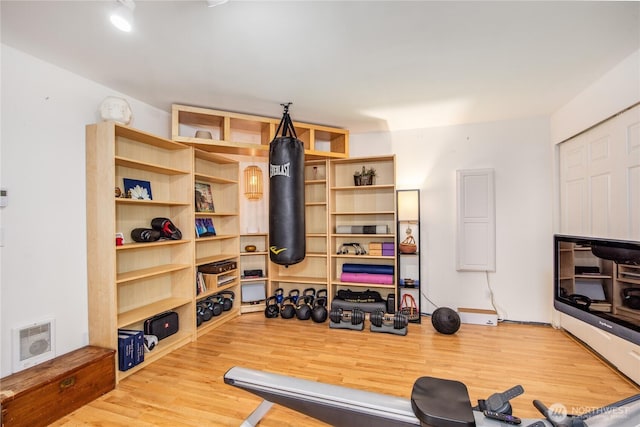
(130, 348)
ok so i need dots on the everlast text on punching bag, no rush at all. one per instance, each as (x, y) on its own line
(287, 243)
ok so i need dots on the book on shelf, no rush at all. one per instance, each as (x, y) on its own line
(126, 352)
(204, 227)
(138, 344)
(203, 197)
(201, 285)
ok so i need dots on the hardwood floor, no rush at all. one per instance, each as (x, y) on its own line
(186, 387)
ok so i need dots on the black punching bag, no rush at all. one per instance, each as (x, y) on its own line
(287, 244)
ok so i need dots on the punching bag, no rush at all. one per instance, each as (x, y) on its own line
(287, 240)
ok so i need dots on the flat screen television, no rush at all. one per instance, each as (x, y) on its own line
(598, 281)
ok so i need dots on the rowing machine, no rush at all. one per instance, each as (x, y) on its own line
(434, 403)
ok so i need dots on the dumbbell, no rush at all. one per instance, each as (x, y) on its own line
(319, 311)
(389, 323)
(340, 319)
(272, 310)
(287, 309)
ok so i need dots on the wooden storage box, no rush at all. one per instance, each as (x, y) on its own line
(46, 392)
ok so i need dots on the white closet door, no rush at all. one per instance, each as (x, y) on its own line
(573, 187)
(630, 181)
(600, 180)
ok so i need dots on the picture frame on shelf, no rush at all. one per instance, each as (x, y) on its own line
(204, 227)
(203, 197)
(137, 189)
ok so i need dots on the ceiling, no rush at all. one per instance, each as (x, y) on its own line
(364, 66)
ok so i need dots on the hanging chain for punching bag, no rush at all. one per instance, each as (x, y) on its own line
(287, 240)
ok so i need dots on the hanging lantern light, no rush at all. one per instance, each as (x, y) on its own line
(253, 183)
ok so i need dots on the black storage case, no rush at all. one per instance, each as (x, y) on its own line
(162, 325)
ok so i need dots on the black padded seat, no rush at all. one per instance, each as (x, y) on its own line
(438, 402)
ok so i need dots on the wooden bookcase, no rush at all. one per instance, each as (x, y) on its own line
(370, 205)
(235, 133)
(130, 283)
(256, 260)
(572, 255)
(221, 173)
(625, 276)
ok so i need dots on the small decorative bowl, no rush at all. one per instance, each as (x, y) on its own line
(204, 134)
(250, 248)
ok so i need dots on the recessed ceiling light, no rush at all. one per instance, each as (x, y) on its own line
(213, 3)
(122, 15)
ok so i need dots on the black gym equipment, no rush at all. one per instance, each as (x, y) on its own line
(630, 300)
(287, 239)
(287, 308)
(445, 320)
(203, 313)
(319, 311)
(499, 402)
(340, 319)
(434, 402)
(279, 294)
(389, 323)
(583, 302)
(142, 235)
(166, 228)
(294, 294)
(227, 299)
(272, 309)
(303, 309)
(215, 303)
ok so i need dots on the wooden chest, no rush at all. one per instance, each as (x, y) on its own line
(46, 392)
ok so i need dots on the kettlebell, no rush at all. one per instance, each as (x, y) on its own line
(287, 310)
(227, 299)
(203, 311)
(303, 311)
(279, 294)
(319, 311)
(631, 301)
(294, 294)
(214, 302)
(271, 310)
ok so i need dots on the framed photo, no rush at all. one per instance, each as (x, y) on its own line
(138, 189)
(204, 227)
(203, 198)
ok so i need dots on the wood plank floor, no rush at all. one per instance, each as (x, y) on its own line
(186, 388)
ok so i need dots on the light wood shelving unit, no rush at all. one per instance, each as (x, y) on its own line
(130, 283)
(626, 276)
(257, 260)
(235, 133)
(221, 173)
(572, 255)
(352, 205)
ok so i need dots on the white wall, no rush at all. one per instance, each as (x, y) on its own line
(519, 151)
(43, 261)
